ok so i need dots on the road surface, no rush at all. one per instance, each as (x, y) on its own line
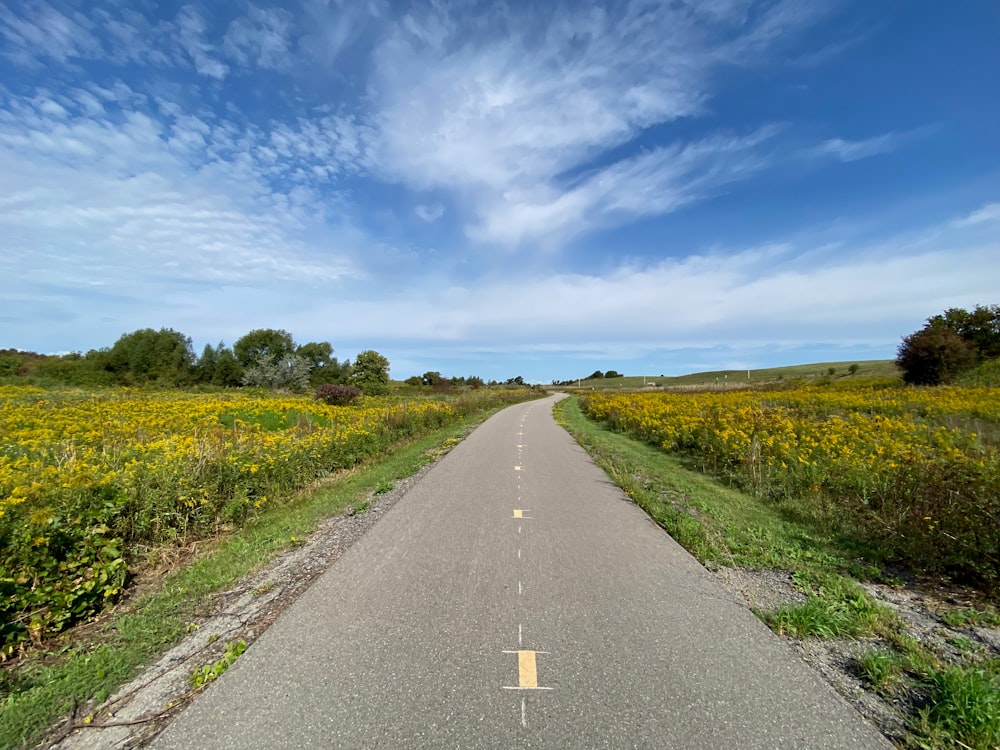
(514, 598)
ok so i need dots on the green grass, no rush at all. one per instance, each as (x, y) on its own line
(877, 368)
(963, 708)
(883, 669)
(48, 685)
(971, 617)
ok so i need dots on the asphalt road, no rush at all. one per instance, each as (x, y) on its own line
(514, 598)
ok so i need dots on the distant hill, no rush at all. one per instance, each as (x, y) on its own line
(865, 368)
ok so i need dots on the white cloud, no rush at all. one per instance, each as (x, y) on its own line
(782, 294)
(189, 34)
(847, 151)
(655, 182)
(261, 38)
(429, 213)
(986, 215)
(44, 32)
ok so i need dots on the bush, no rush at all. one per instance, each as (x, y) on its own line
(934, 355)
(338, 395)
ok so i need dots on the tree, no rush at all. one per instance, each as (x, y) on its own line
(316, 353)
(613, 374)
(595, 375)
(204, 369)
(325, 367)
(981, 327)
(146, 356)
(934, 355)
(370, 373)
(269, 343)
(228, 371)
(291, 373)
(515, 381)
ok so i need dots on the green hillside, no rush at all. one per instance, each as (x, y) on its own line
(866, 368)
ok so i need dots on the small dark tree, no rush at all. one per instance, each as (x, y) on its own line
(853, 369)
(613, 374)
(595, 375)
(934, 355)
(338, 395)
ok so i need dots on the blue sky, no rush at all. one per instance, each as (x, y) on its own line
(501, 189)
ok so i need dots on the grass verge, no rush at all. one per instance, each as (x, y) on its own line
(46, 685)
(950, 704)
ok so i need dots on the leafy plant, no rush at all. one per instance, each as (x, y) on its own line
(209, 672)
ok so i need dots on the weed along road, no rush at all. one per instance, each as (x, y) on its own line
(514, 598)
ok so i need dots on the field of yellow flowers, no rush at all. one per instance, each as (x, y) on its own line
(89, 479)
(915, 473)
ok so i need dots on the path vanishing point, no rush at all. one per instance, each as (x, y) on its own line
(515, 598)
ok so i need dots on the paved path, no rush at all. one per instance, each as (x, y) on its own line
(515, 599)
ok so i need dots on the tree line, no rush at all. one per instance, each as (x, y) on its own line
(264, 357)
(950, 345)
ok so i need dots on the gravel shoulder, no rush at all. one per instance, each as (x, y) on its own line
(919, 605)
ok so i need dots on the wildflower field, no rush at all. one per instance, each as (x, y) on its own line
(89, 481)
(913, 474)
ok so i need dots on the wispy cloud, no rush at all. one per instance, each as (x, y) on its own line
(652, 183)
(507, 119)
(845, 150)
(988, 214)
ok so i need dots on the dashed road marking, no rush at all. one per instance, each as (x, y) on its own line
(527, 670)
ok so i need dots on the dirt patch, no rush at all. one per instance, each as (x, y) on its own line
(920, 605)
(134, 715)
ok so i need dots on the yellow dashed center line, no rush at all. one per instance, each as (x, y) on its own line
(527, 671)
